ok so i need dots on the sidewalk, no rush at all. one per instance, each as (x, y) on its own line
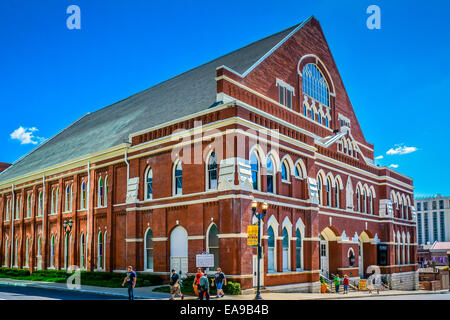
(147, 293)
(326, 296)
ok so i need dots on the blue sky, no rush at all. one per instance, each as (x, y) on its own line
(398, 77)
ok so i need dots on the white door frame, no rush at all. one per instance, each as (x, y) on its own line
(324, 260)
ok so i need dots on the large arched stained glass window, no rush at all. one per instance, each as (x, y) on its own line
(315, 85)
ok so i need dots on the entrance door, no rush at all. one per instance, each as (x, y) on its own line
(361, 259)
(324, 265)
(255, 270)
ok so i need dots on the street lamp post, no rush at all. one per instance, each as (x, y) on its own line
(260, 217)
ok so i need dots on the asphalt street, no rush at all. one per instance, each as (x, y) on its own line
(29, 293)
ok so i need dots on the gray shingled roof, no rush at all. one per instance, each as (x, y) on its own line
(185, 94)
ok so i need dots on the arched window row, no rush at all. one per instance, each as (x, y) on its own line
(330, 189)
(401, 205)
(402, 247)
(365, 196)
(286, 167)
(311, 112)
(348, 147)
(287, 230)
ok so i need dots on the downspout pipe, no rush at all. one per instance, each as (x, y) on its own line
(88, 191)
(43, 212)
(13, 217)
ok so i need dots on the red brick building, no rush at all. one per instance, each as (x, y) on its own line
(170, 172)
(3, 166)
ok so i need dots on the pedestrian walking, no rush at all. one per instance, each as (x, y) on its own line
(203, 287)
(346, 282)
(219, 281)
(337, 282)
(198, 275)
(130, 280)
(175, 287)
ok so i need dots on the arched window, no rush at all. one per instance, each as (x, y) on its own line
(16, 255)
(285, 250)
(398, 250)
(358, 199)
(298, 171)
(319, 189)
(327, 124)
(329, 188)
(271, 250)
(67, 199)
(254, 165)
(319, 118)
(148, 250)
(370, 203)
(53, 202)
(100, 192)
(27, 251)
(305, 110)
(52, 251)
(6, 252)
(212, 171)
(213, 243)
(313, 115)
(82, 251)
(315, 85)
(40, 205)
(83, 195)
(71, 197)
(285, 174)
(18, 206)
(29, 204)
(100, 251)
(179, 249)
(408, 248)
(178, 178)
(105, 197)
(149, 184)
(298, 249)
(7, 210)
(336, 194)
(365, 200)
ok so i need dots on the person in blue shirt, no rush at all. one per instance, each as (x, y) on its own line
(130, 280)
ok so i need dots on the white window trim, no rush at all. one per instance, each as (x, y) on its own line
(285, 85)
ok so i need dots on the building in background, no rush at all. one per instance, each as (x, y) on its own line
(433, 219)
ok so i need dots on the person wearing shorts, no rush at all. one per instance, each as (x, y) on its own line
(175, 288)
(220, 280)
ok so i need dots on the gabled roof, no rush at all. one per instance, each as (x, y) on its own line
(185, 94)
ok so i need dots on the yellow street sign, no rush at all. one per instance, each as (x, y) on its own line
(362, 284)
(252, 235)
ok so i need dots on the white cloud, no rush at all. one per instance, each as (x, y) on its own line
(394, 166)
(379, 157)
(26, 135)
(401, 149)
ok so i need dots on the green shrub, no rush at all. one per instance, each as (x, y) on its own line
(232, 288)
